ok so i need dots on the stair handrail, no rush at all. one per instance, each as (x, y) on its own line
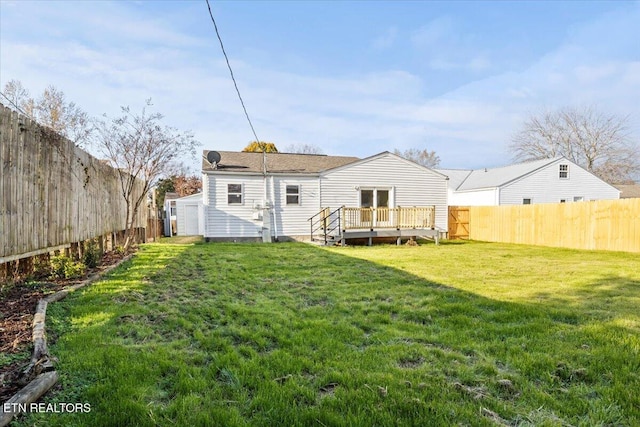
(325, 222)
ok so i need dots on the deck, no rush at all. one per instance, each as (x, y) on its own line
(369, 223)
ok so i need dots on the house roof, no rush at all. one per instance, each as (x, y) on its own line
(194, 196)
(628, 191)
(465, 180)
(233, 161)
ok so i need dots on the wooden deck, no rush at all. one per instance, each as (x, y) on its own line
(347, 223)
(399, 234)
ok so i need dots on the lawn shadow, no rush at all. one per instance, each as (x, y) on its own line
(285, 320)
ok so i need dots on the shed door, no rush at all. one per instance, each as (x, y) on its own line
(191, 220)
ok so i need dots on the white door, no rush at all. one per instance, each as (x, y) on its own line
(191, 220)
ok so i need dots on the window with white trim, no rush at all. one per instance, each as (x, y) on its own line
(293, 194)
(563, 200)
(234, 194)
(526, 201)
(578, 199)
(564, 171)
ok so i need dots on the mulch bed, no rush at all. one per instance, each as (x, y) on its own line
(17, 307)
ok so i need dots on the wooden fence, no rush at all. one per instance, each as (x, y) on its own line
(612, 225)
(53, 194)
(458, 227)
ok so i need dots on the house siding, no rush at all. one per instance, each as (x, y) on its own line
(411, 185)
(545, 186)
(488, 197)
(232, 221)
(292, 220)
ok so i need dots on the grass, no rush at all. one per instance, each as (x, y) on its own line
(290, 334)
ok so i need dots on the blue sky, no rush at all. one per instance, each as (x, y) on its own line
(354, 78)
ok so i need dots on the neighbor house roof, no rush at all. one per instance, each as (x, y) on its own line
(233, 161)
(465, 180)
(629, 191)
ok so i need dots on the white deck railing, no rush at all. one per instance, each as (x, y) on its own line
(398, 218)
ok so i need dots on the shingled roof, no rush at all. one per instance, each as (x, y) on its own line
(464, 180)
(629, 191)
(233, 161)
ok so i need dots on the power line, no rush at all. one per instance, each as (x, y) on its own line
(231, 72)
(20, 110)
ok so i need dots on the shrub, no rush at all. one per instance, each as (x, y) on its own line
(63, 267)
(91, 257)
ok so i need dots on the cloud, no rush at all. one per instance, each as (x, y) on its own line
(433, 34)
(353, 111)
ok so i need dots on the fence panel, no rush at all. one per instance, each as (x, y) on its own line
(600, 225)
(52, 193)
(458, 227)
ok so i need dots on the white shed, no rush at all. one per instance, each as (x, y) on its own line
(190, 215)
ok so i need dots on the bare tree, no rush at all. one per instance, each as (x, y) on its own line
(422, 157)
(53, 110)
(597, 141)
(303, 149)
(17, 95)
(141, 148)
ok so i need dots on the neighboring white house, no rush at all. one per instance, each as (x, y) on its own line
(555, 180)
(190, 215)
(251, 196)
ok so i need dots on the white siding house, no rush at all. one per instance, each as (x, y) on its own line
(386, 176)
(190, 215)
(542, 181)
(253, 196)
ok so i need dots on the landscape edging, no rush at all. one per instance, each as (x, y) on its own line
(40, 359)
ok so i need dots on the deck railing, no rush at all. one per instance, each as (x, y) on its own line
(325, 224)
(400, 217)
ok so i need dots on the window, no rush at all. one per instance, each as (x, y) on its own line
(526, 201)
(564, 171)
(234, 194)
(293, 194)
(578, 199)
(563, 200)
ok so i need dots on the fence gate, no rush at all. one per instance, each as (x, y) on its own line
(458, 222)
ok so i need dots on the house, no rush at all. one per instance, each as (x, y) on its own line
(190, 215)
(555, 180)
(629, 191)
(276, 196)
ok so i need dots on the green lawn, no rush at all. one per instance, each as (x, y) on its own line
(291, 334)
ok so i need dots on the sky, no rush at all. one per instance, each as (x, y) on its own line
(353, 78)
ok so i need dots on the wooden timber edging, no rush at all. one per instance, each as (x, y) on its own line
(41, 364)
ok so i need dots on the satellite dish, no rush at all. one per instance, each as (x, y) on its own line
(213, 157)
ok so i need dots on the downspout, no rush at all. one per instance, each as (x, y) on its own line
(266, 215)
(273, 198)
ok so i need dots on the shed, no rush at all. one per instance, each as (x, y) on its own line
(190, 215)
